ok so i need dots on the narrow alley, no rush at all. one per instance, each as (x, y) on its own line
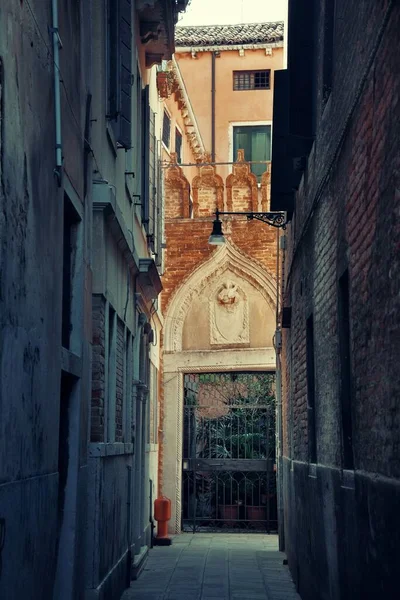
(199, 299)
(206, 566)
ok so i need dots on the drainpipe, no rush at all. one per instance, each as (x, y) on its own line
(279, 431)
(57, 102)
(212, 106)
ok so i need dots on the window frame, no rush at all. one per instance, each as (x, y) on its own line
(179, 131)
(167, 147)
(251, 72)
(119, 69)
(72, 281)
(234, 124)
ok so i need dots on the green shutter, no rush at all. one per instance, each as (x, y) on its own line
(255, 140)
(145, 157)
(125, 73)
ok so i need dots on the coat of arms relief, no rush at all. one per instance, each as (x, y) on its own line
(229, 315)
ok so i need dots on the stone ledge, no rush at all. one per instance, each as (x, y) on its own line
(139, 562)
(112, 449)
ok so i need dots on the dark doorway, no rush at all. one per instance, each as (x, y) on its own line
(68, 469)
(229, 481)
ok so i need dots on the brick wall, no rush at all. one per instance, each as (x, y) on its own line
(187, 247)
(354, 226)
(99, 379)
(347, 217)
(208, 191)
(98, 370)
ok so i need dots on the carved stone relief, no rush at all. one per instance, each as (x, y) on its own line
(229, 315)
(225, 262)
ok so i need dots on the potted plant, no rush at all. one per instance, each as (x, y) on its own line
(229, 501)
(255, 498)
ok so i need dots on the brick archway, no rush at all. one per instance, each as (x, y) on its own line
(227, 256)
(177, 362)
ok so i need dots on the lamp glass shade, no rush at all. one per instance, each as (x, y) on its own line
(217, 237)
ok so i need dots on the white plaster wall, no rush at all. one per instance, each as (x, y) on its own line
(197, 324)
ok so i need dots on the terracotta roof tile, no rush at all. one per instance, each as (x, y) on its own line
(229, 35)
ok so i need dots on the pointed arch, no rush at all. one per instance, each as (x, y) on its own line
(227, 257)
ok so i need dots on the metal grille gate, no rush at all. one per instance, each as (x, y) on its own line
(229, 480)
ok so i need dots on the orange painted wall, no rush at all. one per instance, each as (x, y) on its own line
(230, 106)
(171, 106)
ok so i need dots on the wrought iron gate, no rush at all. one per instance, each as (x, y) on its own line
(228, 461)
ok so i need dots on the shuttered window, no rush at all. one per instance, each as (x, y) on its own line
(178, 145)
(158, 228)
(145, 179)
(255, 140)
(251, 80)
(152, 179)
(119, 69)
(166, 131)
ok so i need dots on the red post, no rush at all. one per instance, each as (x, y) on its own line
(162, 514)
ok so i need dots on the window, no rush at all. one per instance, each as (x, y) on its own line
(70, 249)
(119, 68)
(152, 181)
(345, 371)
(178, 145)
(128, 382)
(145, 171)
(166, 130)
(251, 80)
(329, 23)
(111, 374)
(312, 442)
(255, 140)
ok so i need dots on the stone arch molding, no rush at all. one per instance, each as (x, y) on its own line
(227, 258)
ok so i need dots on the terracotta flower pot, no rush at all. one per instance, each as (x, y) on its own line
(256, 513)
(229, 512)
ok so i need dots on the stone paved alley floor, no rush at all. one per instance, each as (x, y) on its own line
(209, 566)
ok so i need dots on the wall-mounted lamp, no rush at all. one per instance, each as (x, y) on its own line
(275, 219)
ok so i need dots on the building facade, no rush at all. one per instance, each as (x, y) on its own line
(80, 235)
(217, 109)
(45, 197)
(336, 171)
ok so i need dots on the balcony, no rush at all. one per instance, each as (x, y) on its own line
(157, 19)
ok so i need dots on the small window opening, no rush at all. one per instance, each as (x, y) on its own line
(70, 230)
(251, 80)
(329, 23)
(166, 132)
(178, 145)
(345, 371)
(312, 442)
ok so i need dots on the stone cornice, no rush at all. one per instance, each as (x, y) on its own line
(192, 130)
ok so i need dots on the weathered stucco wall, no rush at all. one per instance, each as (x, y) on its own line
(36, 501)
(230, 106)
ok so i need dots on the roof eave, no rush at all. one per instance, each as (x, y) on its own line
(195, 48)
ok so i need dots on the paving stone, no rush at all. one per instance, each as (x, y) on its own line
(215, 567)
